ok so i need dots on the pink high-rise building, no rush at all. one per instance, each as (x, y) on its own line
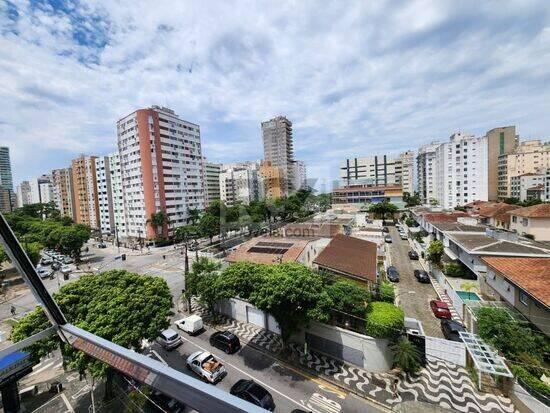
(160, 166)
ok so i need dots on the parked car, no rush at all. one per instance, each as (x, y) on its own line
(225, 341)
(413, 255)
(44, 272)
(101, 245)
(254, 393)
(169, 339)
(166, 403)
(386, 230)
(388, 239)
(191, 325)
(392, 274)
(206, 366)
(65, 269)
(46, 261)
(56, 266)
(422, 276)
(440, 309)
(451, 329)
(67, 260)
(403, 236)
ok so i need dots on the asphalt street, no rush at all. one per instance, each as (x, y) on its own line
(291, 389)
(417, 303)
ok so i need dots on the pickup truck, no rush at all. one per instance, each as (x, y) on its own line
(205, 365)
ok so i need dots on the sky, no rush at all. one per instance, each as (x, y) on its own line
(356, 78)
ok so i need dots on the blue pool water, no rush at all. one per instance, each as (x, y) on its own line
(465, 295)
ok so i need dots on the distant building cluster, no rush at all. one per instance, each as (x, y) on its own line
(449, 174)
(159, 167)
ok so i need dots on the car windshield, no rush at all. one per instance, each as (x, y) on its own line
(171, 336)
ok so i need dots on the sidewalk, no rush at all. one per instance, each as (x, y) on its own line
(445, 384)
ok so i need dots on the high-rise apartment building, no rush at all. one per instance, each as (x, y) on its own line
(42, 190)
(300, 175)
(426, 172)
(7, 196)
(161, 168)
(211, 179)
(461, 170)
(528, 157)
(380, 170)
(104, 195)
(117, 195)
(63, 191)
(272, 179)
(86, 203)
(279, 150)
(241, 183)
(523, 186)
(23, 194)
(407, 171)
(500, 141)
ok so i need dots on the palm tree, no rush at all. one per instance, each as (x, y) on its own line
(406, 356)
(468, 286)
(158, 219)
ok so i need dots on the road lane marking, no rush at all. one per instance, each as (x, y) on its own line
(321, 404)
(157, 355)
(66, 401)
(245, 373)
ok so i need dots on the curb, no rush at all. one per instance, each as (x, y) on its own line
(312, 372)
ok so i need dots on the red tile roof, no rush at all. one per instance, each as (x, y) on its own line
(494, 209)
(535, 211)
(351, 256)
(444, 216)
(530, 274)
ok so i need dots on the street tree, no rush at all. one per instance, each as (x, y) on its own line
(209, 225)
(194, 215)
(158, 220)
(406, 356)
(383, 209)
(120, 306)
(293, 295)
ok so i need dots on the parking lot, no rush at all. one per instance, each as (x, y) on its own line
(413, 296)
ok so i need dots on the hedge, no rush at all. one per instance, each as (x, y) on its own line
(386, 292)
(530, 381)
(384, 320)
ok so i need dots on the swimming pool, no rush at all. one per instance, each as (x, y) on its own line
(465, 295)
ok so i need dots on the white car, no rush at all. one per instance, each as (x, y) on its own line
(44, 272)
(169, 339)
(205, 365)
(65, 269)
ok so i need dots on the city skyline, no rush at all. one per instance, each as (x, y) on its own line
(69, 86)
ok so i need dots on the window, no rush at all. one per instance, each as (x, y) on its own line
(523, 297)
(514, 219)
(525, 222)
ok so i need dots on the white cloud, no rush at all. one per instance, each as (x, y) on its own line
(355, 78)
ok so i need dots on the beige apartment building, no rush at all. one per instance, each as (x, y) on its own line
(273, 180)
(84, 181)
(500, 141)
(63, 191)
(529, 157)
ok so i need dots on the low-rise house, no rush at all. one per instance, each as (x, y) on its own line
(351, 258)
(470, 247)
(524, 283)
(428, 219)
(277, 250)
(493, 214)
(533, 221)
(324, 229)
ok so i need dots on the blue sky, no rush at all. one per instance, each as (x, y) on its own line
(356, 78)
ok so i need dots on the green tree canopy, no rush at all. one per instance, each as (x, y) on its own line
(435, 251)
(383, 209)
(348, 297)
(209, 225)
(406, 356)
(117, 305)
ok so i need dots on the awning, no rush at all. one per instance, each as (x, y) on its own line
(450, 254)
(484, 356)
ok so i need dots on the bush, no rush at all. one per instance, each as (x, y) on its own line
(529, 236)
(530, 381)
(409, 222)
(384, 320)
(161, 242)
(406, 356)
(386, 292)
(458, 270)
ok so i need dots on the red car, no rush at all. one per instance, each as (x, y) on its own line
(440, 309)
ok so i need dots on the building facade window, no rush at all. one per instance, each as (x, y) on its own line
(523, 298)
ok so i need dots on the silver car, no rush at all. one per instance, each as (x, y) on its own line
(205, 365)
(169, 339)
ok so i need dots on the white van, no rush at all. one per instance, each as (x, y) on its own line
(191, 325)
